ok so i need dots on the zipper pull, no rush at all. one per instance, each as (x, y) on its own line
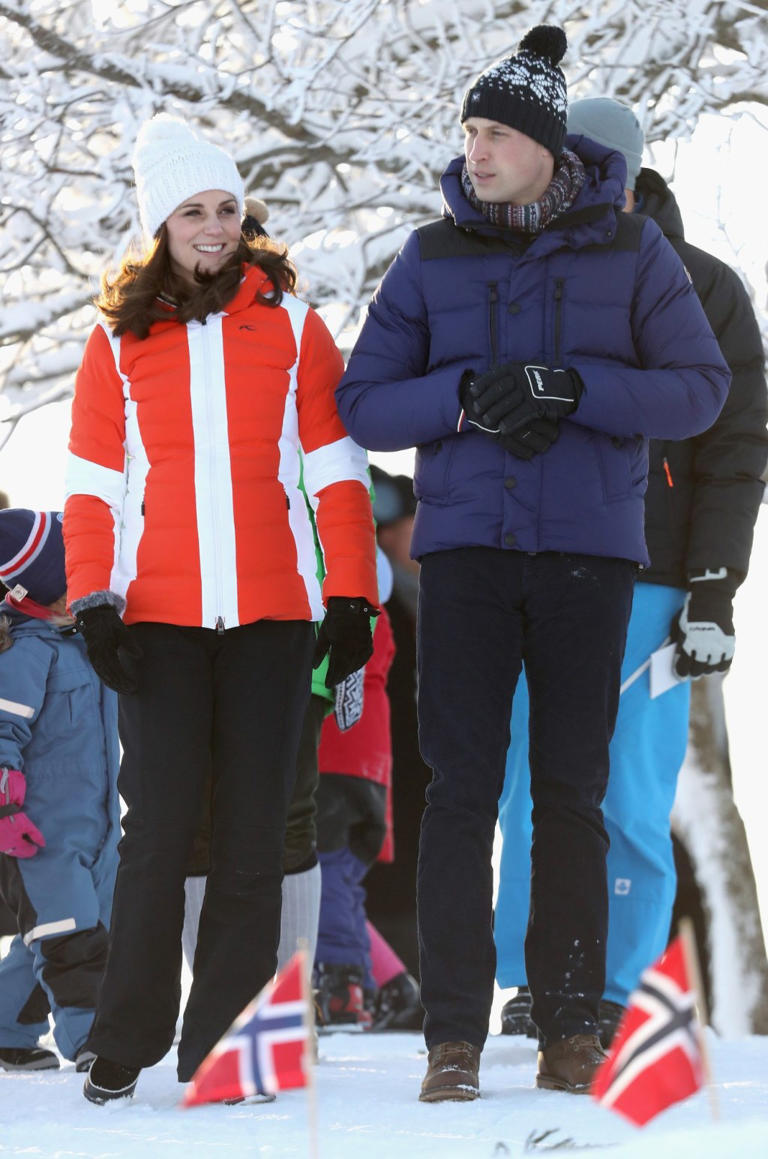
(219, 625)
(668, 473)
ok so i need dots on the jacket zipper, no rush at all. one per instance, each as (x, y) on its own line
(493, 305)
(558, 317)
(220, 625)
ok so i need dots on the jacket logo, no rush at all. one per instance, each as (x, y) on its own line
(245, 326)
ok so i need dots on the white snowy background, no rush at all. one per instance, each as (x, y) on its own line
(336, 199)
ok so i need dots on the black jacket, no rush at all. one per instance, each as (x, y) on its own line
(704, 492)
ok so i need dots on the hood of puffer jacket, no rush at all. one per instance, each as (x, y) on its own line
(658, 202)
(21, 624)
(601, 196)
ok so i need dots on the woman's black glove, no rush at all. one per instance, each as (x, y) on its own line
(108, 642)
(346, 634)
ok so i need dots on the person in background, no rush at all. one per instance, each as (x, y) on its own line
(528, 344)
(700, 509)
(59, 809)
(354, 822)
(203, 391)
(8, 927)
(391, 886)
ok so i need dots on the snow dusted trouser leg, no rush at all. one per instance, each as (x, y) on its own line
(233, 700)
(482, 611)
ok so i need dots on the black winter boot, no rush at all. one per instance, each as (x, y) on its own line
(397, 1005)
(516, 1015)
(83, 1059)
(611, 1014)
(339, 998)
(110, 1080)
(27, 1058)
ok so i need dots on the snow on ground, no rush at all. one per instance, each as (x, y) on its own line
(366, 1107)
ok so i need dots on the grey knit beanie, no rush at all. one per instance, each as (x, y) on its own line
(612, 124)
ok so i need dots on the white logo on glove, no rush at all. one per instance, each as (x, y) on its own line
(538, 388)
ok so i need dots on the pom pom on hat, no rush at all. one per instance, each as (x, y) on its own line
(257, 209)
(526, 91)
(545, 40)
(256, 213)
(32, 554)
(612, 124)
(172, 163)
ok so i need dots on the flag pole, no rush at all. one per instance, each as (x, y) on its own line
(691, 958)
(309, 1048)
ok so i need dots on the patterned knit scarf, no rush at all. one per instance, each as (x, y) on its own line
(559, 195)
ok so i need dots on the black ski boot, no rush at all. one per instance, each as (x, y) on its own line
(611, 1014)
(27, 1058)
(110, 1080)
(516, 1015)
(397, 1005)
(339, 997)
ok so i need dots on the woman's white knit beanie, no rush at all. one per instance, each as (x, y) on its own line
(172, 163)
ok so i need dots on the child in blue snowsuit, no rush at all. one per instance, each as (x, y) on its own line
(59, 810)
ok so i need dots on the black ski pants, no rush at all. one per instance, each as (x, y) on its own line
(230, 702)
(482, 612)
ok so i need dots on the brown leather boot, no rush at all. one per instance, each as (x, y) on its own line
(570, 1065)
(452, 1069)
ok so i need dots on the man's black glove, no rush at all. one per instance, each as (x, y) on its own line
(508, 398)
(108, 643)
(703, 630)
(531, 440)
(346, 634)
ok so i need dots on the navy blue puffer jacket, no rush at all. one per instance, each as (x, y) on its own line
(592, 292)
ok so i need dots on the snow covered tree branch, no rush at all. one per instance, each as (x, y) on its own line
(340, 113)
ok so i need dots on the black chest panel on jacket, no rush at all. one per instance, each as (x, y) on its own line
(443, 239)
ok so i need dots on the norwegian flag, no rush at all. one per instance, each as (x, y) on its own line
(265, 1050)
(656, 1057)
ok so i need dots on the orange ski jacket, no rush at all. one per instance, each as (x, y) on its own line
(183, 500)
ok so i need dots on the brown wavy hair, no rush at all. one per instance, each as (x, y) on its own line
(139, 292)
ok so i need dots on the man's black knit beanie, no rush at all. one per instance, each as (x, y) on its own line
(526, 91)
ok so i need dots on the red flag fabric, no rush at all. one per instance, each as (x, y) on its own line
(655, 1059)
(265, 1050)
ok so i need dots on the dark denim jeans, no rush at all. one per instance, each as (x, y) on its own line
(482, 612)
